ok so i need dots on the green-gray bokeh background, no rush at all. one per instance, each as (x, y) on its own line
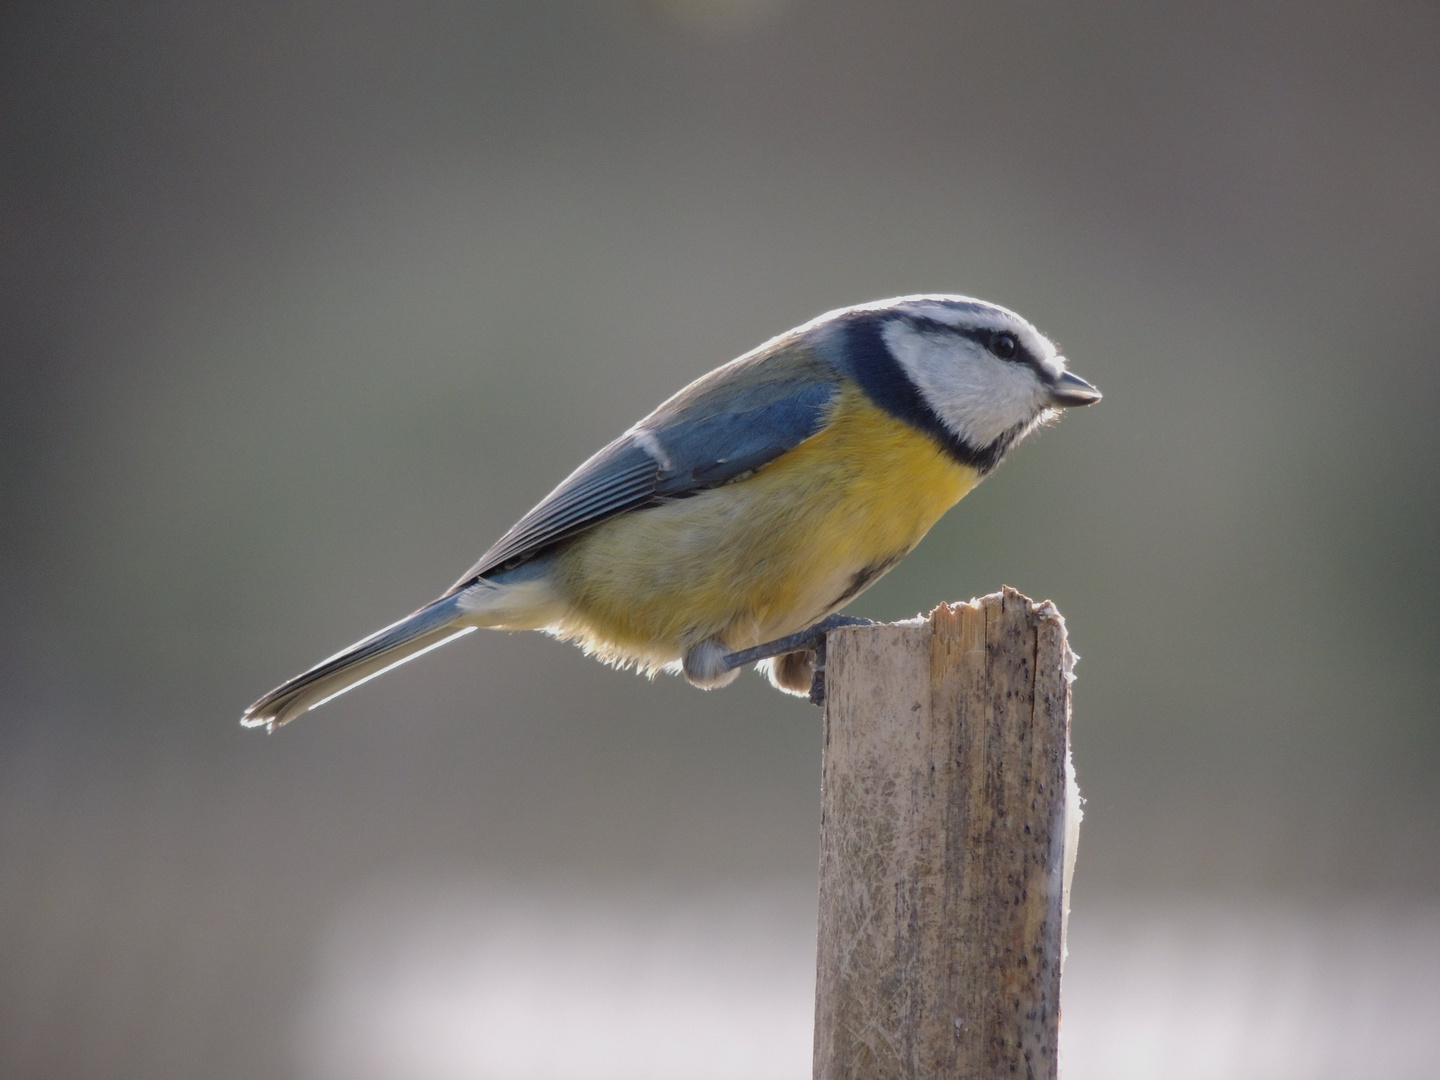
(304, 303)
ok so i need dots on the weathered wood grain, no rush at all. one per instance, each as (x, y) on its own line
(943, 845)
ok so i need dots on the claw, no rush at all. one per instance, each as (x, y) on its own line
(812, 639)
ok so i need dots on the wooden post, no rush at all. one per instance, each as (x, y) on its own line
(948, 823)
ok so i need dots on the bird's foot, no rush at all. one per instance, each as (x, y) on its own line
(810, 640)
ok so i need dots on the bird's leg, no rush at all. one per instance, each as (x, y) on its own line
(811, 639)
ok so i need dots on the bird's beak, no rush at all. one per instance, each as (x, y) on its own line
(1072, 390)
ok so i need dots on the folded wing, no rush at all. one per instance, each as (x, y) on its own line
(717, 430)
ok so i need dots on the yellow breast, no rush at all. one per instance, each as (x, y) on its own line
(765, 556)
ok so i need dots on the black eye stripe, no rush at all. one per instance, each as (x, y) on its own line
(984, 337)
(934, 326)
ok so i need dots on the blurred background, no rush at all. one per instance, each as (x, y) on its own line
(302, 304)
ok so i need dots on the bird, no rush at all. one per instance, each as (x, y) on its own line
(733, 522)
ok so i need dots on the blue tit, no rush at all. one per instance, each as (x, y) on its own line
(754, 503)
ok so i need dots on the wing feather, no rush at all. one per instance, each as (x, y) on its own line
(721, 427)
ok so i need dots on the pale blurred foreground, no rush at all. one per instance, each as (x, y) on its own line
(462, 981)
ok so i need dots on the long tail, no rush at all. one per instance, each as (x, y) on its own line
(429, 628)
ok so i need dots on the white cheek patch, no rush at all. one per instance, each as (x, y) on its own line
(976, 395)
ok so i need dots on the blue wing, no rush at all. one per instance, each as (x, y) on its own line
(729, 423)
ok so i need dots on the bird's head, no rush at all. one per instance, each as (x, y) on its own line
(977, 375)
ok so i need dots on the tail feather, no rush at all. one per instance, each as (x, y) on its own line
(429, 628)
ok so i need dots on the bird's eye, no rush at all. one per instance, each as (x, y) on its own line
(1004, 346)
